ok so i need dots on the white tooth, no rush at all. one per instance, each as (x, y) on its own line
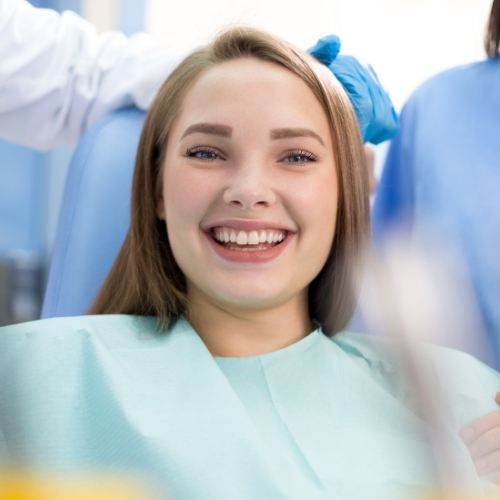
(281, 237)
(226, 236)
(242, 238)
(253, 238)
(275, 237)
(219, 236)
(269, 238)
(233, 237)
(262, 236)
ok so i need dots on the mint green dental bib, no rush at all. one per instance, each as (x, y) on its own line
(323, 418)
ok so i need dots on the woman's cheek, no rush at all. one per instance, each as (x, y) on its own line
(189, 195)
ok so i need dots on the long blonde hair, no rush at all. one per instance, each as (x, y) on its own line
(146, 280)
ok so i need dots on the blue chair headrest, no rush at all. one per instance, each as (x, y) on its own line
(94, 216)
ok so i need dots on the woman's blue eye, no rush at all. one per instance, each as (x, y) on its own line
(299, 157)
(203, 154)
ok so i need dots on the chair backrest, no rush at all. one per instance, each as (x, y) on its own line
(94, 215)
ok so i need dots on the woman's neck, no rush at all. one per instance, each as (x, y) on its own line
(231, 332)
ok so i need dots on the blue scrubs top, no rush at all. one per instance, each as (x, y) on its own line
(442, 177)
(322, 418)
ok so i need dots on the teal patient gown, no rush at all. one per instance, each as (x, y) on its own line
(324, 418)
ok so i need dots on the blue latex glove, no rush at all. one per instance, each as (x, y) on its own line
(377, 118)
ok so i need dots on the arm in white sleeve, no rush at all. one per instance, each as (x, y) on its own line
(57, 75)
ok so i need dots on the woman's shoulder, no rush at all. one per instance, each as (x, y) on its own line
(375, 349)
(120, 329)
(466, 383)
(86, 345)
(87, 321)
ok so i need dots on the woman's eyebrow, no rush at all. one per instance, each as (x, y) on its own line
(285, 133)
(227, 131)
(209, 128)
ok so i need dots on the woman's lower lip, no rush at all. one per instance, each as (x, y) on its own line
(248, 254)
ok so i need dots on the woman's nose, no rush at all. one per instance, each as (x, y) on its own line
(249, 190)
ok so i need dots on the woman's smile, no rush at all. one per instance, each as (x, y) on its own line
(248, 241)
(252, 247)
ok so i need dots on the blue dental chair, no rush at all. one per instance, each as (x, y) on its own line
(94, 214)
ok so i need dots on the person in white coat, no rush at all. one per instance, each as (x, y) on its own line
(58, 75)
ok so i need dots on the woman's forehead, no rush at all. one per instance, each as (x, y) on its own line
(253, 89)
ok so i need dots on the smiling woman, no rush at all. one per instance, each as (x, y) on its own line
(267, 140)
(213, 363)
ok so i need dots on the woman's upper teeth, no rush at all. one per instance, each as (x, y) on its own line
(227, 235)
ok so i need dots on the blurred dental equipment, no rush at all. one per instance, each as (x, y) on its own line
(412, 295)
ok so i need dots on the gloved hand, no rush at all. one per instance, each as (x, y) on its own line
(377, 118)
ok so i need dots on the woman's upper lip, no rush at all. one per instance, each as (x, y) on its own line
(247, 225)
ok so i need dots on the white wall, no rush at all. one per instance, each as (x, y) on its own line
(103, 14)
(405, 40)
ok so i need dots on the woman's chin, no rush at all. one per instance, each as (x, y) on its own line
(243, 298)
(251, 301)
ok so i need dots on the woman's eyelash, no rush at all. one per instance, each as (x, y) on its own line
(208, 153)
(203, 153)
(299, 156)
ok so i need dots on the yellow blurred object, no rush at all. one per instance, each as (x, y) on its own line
(456, 495)
(19, 486)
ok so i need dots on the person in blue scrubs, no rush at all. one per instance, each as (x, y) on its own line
(442, 173)
(212, 361)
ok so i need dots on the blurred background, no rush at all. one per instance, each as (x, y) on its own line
(405, 40)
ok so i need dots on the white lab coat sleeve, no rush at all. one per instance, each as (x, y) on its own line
(58, 75)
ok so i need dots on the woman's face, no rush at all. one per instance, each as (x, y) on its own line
(249, 191)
